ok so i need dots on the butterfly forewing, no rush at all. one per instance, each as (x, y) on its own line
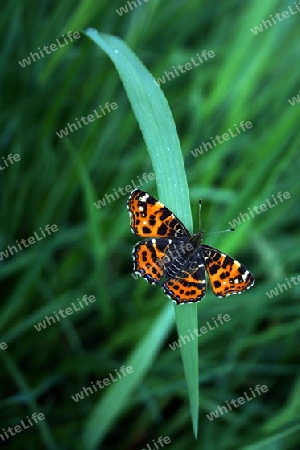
(149, 217)
(227, 276)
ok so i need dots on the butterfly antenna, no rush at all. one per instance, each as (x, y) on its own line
(200, 204)
(221, 231)
(211, 232)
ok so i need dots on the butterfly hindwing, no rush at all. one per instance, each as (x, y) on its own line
(156, 258)
(148, 259)
(189, 286)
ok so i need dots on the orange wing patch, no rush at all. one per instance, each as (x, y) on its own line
(227, 275)
(149, 217)
(188, 286)
(149, 260)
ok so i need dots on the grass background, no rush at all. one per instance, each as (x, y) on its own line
(57, 181)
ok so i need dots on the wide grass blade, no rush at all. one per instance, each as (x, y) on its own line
(158, 128)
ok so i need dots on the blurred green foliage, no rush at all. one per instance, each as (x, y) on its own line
(57, 181)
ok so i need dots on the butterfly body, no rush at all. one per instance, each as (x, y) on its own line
(176, 259)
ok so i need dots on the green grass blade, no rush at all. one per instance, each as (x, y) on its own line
(275, 440)
(26, 391)
(158, 128)
(155, 121)
(187, 319)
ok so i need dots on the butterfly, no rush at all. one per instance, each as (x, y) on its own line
(176, 259)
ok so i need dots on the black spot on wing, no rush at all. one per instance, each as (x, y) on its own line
(214, 269)
(164, 213)
(162, 230)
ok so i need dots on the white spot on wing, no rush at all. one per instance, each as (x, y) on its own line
(244, 276)
(144, 198)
